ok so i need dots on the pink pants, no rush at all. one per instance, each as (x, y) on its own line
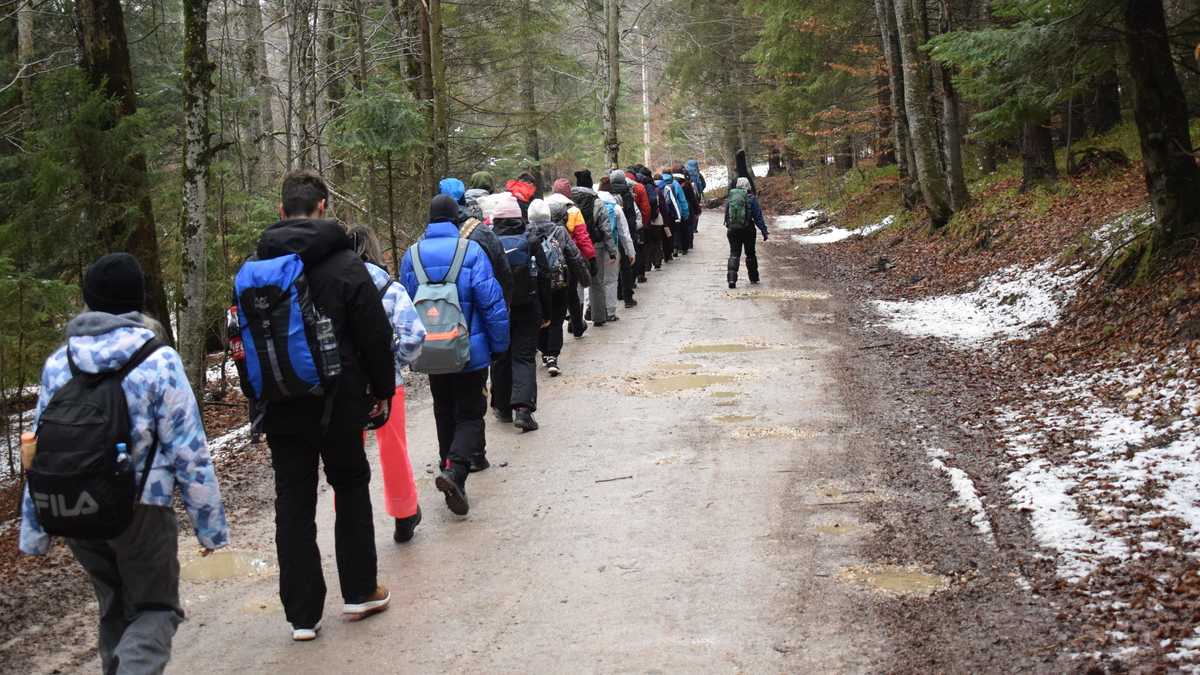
(399, 488)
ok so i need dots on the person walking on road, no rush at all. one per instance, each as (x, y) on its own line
(576, 226)
(460, 398)
(565, 263)
(604, 274)
(611, 216)
(742, 215)
(514, 375)
(618, 186)
(471, 226)
(399, 488)
(135, 572)
(325, 425)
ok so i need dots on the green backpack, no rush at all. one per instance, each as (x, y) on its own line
(738, 211)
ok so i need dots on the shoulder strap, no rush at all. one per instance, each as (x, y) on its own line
(468, 227)
(152, 345)
(418, 266)
(383, 291)
(460, 255)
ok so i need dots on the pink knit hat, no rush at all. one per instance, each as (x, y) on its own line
(504, 205)
(563, 187)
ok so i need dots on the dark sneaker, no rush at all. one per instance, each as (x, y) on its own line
(754, 282)
(598, 324)
(733, 284)
(455, 491)
(406, 527)
(552, 366)
(614, 318)
(378, 602)
(630, 304)
(642, 279)
(478, 463)
(504, 416)
(523, 420)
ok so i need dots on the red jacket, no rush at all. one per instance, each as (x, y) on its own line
(640, 196)
(524, 192)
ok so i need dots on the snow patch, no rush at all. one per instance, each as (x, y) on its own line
(832, 234)
(229, 440)
(799, 221)
(965, 494)
(1010, 303)
(717, 177)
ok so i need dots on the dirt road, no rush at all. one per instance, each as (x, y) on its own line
(703, 496)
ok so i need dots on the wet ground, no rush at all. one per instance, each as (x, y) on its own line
(717, 486)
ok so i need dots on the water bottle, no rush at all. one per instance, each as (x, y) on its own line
(122, 458)
(233, 330)
(331, 361)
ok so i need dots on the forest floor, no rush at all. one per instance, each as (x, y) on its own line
(760, 499)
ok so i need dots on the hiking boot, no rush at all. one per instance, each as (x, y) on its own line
(545, 360)
(523, 420)
(597, 324)
(306, 634)
(614, 317)
(455, 490)
(406, 527)
(630, 304)
(642, 279)
(504, 416)
(478, 463)
(552, 366)
(733, 284)
(378, 602)
(754, 282)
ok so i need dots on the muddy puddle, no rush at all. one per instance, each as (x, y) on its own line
(227, 565)
(677, 367)
(724, 394)
(838, 525)
(733, 419)
(776, 294)
(895, 580)
(726, 348)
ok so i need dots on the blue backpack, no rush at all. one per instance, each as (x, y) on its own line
(291, 349)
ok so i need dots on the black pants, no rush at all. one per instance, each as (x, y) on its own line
(301, 581)
(669, 241)
(514, 376)
(639, 265)
(575, 308)
(654, 246)
(738, 240)
(459, 403)
(686, 233)
(627, 280)
(550, 339)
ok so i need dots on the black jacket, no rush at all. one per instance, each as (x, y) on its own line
(506, 227)
(490, 243)
(342, 290)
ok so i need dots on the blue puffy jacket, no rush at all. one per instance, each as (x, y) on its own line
(681, 204)
(479, 293)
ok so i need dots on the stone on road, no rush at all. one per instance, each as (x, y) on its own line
(680, 510)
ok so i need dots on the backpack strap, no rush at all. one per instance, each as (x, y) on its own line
(468, 228)
(418, 266)
(460, 255)
(383, 291)
(152, 345)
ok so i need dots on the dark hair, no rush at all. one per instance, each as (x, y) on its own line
(302, 190)
(366, 244)
(527, 178)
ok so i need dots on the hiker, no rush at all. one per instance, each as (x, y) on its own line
(698, 182)
(679, 204)
(611, 217)
(317, 405)
(131, 560)
(399, 488)
(619, 188)
(642, 199)
(472, 227)
(481, 184)
(742, 211)
(604, 275)
(564, 262)
(577, 228)
(525, 189)
(459, 388)
(514, 375)
(692, 222)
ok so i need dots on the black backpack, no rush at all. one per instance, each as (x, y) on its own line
(586, 202)
(524, 268)
(79, 488)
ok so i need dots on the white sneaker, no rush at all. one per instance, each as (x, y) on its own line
(306, 634)
(375, 604)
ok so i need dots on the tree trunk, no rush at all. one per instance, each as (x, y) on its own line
(987, 157)
(258, 145)
(1105, 111)
(885, 15)
(25, 59)
(953, 142)
(921, 122)
(391, 200)
(302, 54)
(612, 55)
(1162, 120)
(843, 159)
(360, 81)
(529, 100)
(105, 60)
(885, 149)
(775, 162)
(646, 132)
(437, 64)
(1037, 151)
(197, 85)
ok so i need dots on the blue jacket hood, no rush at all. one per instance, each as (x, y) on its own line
(453, 188)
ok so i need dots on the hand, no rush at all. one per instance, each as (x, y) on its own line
(379, 408)
(764, 236)
(632, 260)
(545, 324)
(205, 551)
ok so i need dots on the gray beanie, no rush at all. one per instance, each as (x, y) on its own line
(617, 176)
(743, 182)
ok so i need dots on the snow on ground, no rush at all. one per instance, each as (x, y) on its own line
(1100, 461)
(213, 374)
(229, 440)
(717, 177)
(799, 221)
(1010, 303)
(831, 234)
(965, 494)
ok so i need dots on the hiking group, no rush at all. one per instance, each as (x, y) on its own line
(321, 333)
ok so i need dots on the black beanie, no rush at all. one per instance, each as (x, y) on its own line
(443, 209)
(115, 284)
(583, 178)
